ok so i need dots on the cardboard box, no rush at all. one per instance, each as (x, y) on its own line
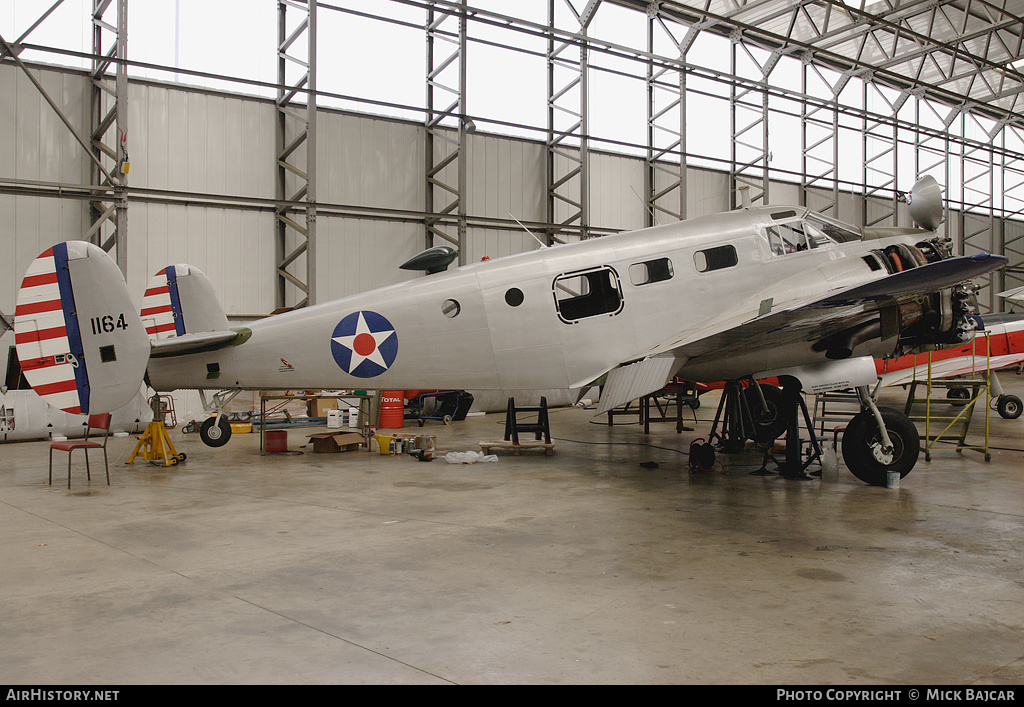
(320, 406)
(327, 442)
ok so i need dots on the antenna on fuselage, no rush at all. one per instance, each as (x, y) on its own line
(542, 243)
(744, 196)
(650, 209)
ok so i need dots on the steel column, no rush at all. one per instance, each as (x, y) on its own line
(447, 126)
(881, 157)
(977, 223)
(1011, 195)
(938, 148)
(296, 153)
(109, 129)
(568, 150)
(665, 173)
(819, 141)
(748, 114)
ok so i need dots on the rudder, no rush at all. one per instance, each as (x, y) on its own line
(81, 346)
(181, 300)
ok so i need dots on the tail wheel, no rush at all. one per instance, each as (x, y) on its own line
(214, 435)
(769, 423)
(1009, 406)
(862, 446)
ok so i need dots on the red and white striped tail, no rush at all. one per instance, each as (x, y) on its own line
(80, 344)
(159, 314)
(181, 300)
(41, 337)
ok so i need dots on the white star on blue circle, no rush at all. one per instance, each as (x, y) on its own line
(364, 344)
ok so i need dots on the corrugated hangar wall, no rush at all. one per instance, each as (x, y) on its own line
(188, 146)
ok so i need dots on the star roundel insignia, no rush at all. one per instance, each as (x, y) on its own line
(364, 344)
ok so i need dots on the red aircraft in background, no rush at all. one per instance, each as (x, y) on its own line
(999, 345)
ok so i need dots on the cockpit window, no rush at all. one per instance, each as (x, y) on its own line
(786, 238)
(833, 229)
(797, 236)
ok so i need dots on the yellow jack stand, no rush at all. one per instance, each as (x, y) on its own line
(155, 442)
(157, 445)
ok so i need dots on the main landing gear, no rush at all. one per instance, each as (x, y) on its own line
(877, 440)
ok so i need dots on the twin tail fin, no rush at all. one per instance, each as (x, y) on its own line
(83, 348)
(81, 345)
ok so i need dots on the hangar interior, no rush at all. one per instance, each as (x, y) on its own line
(323, 145)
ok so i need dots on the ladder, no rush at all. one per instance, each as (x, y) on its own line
(977, 386)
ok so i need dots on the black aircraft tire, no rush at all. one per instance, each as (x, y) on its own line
(1009, 407)
(958, 396)
(215, 436)
(769, 424)
(862, 432)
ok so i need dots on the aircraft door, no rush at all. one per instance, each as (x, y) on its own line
(523, 329)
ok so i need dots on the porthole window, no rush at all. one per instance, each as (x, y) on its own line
(450, 308)
(514, 297)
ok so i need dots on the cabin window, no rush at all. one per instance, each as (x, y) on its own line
(587, 294)
(715, 258)
(514, 297)
(650, 271)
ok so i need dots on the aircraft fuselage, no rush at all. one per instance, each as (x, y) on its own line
(552, 318)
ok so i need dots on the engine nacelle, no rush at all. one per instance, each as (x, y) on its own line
(937, 320)
(931, 321)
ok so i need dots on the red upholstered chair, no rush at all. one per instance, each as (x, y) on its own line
(96, 422)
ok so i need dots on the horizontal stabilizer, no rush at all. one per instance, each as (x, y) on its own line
(79, 341)
(635, 380)
(196, 343)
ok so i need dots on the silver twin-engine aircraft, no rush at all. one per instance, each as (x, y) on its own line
(755, 292)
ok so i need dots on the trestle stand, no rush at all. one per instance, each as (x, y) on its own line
(793, 407)
(732, 413)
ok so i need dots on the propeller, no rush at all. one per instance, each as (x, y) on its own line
(924, 202)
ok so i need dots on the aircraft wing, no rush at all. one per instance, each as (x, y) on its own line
(951, 368)
(759, 327)
(1016, 295)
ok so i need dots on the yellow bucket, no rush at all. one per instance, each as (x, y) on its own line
(384, 442)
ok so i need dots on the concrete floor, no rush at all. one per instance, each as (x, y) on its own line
(582, 567)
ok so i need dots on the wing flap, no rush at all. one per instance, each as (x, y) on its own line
(635, 380)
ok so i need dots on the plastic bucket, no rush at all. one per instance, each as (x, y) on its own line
(392, 410)
(276, 441)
